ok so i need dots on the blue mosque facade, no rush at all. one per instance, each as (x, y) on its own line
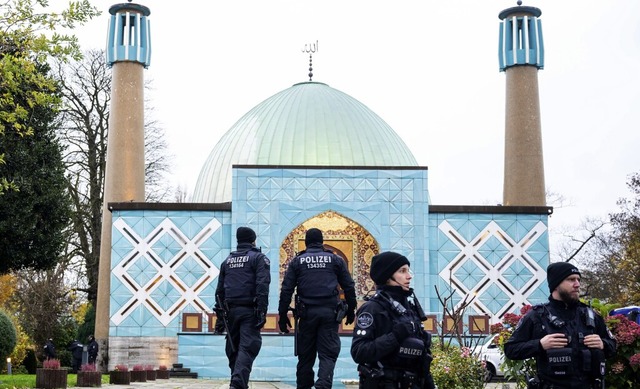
(311, 156)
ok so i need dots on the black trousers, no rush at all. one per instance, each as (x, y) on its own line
(247, 341)
(317, 335)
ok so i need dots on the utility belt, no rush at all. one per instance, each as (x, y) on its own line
(536, 383)
(320, 300)
(376, 378)
(599, 384)
(234, 304)
(302, 303)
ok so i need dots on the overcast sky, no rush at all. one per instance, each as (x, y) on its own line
(428, 68)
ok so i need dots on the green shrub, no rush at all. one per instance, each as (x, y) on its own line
(456, 367)
(8, 337)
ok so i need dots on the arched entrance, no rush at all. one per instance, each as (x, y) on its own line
(343, 236)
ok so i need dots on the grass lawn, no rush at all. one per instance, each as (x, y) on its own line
(19, 381)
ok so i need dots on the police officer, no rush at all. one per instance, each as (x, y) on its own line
(568, 339)
(76, 353)
(49, 349)
(242, 295)
(92, 350)
(389, 345)
(315, 274)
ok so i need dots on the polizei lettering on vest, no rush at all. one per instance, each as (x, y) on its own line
(563, 359)
(410, 351)
(315, 259)
(234, 262)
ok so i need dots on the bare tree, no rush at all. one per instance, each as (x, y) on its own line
(44, 305)
(84, 125)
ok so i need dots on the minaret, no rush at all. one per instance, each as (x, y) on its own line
(521, 55)
(128, 54)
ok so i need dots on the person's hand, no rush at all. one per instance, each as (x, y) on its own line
(402, 331)
(554, 341)
(284, 323)
(261, 315)
(594, 341)
(351, 317)
(219, 327)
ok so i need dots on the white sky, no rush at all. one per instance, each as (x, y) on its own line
(428, 68)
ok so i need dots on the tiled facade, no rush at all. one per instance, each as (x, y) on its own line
(165, 261)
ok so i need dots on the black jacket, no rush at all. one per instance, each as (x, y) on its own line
(244, 278)
(49, 350)
(316, 274)
(76, 349)
(93, 349)
(373, 338)
(580, 365)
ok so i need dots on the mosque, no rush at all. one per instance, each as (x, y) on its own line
(310, 156)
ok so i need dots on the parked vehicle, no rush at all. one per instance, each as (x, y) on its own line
(631, 312)
(490, 353)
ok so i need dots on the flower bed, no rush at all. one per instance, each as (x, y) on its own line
(51, 376)
(89, 379)
(120, 376)
(162, 373)
(138, 374)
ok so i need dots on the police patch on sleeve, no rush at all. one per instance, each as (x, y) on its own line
(266, 261)
(365, 320)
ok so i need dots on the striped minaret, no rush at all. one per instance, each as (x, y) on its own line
(521, 55)
(128, 54)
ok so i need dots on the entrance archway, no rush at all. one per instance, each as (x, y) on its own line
(343, 236)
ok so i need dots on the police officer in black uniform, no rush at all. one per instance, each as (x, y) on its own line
(568, 339)
(243, 295)
(76, 355)
(390, 346)
(49, 349)
(92, 350)
(316, 273)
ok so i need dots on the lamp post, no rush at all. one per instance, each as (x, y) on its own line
(8, 366)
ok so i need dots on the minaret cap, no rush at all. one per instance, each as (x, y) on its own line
(533, 11)
(130, 6)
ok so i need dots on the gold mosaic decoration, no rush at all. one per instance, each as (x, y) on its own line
(342, 233)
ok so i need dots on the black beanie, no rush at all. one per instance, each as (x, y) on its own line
(558, 271)
(313, 235)
(245, 235)
(384, 265)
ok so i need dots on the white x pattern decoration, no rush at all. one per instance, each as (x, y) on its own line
(166, 271)
(516, 251)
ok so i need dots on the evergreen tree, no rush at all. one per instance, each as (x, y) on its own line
(34, 216)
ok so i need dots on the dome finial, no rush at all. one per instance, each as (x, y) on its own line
(310, 49)
(519, 2)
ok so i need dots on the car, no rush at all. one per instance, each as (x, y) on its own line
(631, 312)
(490, 353)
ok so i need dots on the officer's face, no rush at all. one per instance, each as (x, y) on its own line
(402, 277)
(569, 288)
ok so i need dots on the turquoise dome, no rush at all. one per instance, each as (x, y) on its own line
(308, 124)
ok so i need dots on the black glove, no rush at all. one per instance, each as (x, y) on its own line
(261, 315)
(219, 328)
(351, 316)
(284, 323)
(402, 331)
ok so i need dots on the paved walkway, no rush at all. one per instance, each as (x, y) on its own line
(190, 383)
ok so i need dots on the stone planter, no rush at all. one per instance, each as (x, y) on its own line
(51, 378)
(89, 379)
(138, 375)
(151, 375)
(119, 377)
(162, 374)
